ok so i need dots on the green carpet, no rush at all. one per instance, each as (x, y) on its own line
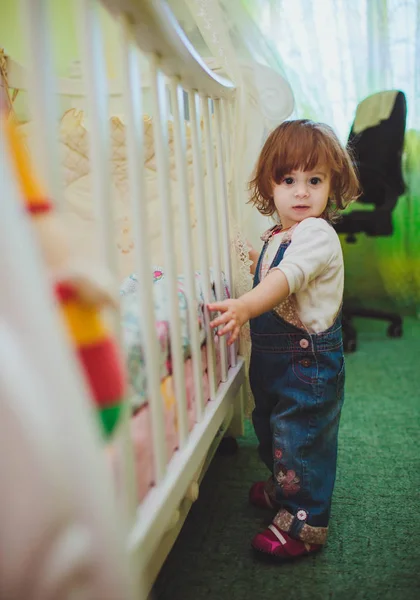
(373, 550)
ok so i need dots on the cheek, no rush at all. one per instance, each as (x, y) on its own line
(278, 194)
(323, 203)
(323, 195)
(329, 189)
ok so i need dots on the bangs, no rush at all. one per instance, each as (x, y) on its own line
(303, 145)
(319, 151)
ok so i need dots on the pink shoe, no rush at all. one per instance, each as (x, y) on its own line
(278, 543)
(262, 494)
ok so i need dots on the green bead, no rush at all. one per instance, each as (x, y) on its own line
(109, 418)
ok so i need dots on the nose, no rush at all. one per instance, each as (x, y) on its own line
(301, 191)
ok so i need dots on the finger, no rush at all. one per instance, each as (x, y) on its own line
(229, 327)
(218, 306)
(225, 318)
(234, 336)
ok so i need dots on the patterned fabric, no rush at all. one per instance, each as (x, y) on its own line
(133, 332)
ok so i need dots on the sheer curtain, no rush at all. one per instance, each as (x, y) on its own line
(336, 52)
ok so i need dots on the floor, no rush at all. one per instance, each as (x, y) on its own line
(374, 544)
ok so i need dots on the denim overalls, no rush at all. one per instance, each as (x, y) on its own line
(297, 380)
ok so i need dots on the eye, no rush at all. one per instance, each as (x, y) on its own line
(315, 180)
(288, 180)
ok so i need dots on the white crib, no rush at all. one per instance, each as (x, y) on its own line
(150, 33)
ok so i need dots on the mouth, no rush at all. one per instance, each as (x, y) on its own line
(301, 207)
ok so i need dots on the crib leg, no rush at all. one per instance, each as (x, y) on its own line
(236, 427)
(228, 446)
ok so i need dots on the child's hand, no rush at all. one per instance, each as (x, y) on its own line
(234, 315)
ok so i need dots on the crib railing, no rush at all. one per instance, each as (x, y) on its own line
(176, 72)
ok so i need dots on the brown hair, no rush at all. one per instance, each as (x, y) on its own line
(304, 144)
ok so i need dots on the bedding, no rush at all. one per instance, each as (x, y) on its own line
(77, 205)
(141, 429)
(133, 334)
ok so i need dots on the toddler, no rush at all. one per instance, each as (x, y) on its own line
(303, 178)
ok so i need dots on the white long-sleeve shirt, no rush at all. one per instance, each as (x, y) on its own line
(314, 269)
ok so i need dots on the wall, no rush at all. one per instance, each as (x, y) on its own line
(63, 19)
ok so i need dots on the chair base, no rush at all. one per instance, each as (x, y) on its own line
(395, 328)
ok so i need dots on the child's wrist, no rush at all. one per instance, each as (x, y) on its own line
(245, 311)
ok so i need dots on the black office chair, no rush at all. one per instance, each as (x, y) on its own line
(377, 151)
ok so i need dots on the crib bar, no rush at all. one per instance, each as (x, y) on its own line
(194, 110)
(227, 138)
(214, 221)
(135, 158)
(187, 247)
(94, 67)
(228, 152)
(160, 132)
(234, 112)
(41, 86)
(232, 191)
(223, 205)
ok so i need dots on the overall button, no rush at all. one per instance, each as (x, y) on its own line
(305, 362)
(304, 343)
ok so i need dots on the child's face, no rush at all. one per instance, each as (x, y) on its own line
(302, 194)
